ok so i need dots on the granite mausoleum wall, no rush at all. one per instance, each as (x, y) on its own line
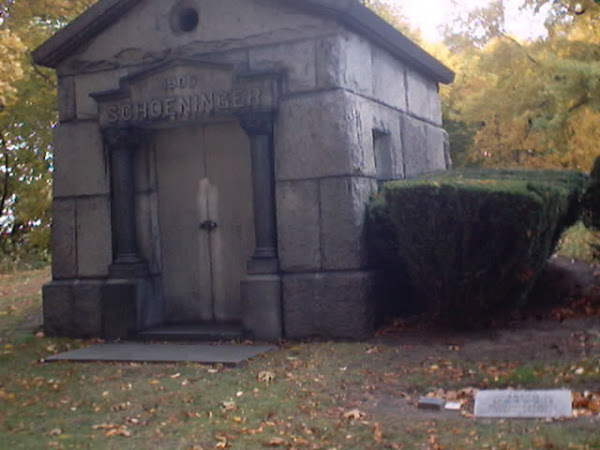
(350, 114)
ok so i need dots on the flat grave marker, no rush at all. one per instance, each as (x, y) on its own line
(522, 404)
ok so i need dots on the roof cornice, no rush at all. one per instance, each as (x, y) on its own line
(77, 33)
(352, 13)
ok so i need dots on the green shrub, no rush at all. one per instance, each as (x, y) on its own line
(470, 242)
(591, 207)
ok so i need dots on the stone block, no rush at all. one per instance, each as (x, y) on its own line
(66, 99)
(94, 237)
(343, 202)
(89, 83)
(324, 134)
(72, 308)
(87, 308)
(345, 61)
(422, 98)
(261, 303)
(80, 163)
(328, 304)
(297, 60)
(298, 220)
(64, 239)
(389, 79)
(57, 301)
(119, 309)
(423, 147)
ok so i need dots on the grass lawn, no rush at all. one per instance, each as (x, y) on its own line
(307, 395)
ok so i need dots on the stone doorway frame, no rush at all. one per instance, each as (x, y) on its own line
(130, 283)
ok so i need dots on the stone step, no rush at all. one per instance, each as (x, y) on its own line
(193, 332)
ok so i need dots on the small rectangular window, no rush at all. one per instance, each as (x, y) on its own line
(382, 149)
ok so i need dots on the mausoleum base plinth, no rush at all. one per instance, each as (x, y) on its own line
(261, 302)
(330, 304)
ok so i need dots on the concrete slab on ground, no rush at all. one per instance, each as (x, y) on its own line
(229, 354)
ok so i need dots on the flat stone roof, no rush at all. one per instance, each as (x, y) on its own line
(351, 13)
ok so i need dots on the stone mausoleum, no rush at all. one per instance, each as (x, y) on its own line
(214, 158)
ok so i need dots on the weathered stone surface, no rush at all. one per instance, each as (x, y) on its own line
(324, 134)
(72, 308)
(328, 304)
(386, 123)
(94, 237)
(298, 220)
(422, 98)
(223, 25)
(435, 404)
(237, 58)
(148, 230)
(57, 308)
(87, 308)
(542, 404)
(80, 163)
(261, 300)
(64, 239)
(296, 60)
(388, 79)
(66, 99)
(86, 84)
(423, 147)
(345, 61)
(343, 202)
(119, 309)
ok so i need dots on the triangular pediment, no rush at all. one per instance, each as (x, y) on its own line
(105, 14)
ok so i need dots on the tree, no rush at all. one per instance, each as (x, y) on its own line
(27, 115)
(526, 103)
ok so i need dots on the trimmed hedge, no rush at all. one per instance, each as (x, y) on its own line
(470, 242)
(591, 207)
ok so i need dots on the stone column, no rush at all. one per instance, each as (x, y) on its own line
(122, 144)
(261, 290)
(259, 127)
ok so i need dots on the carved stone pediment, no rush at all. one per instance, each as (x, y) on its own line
(182, 91)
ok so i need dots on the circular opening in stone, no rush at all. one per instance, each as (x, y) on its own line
(188, 19)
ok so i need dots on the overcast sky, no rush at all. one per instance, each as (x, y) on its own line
(428, 15)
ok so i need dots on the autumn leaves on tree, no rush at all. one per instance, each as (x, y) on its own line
(514, 103)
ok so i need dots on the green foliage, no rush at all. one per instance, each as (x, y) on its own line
(27, 115)
(471, 242)
(525, 103)
(591, 208)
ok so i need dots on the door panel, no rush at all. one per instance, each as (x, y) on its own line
(204, 174)
(232, 242)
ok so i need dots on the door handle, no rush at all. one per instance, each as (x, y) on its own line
(208, 225)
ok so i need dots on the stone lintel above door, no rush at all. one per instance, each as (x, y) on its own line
(185, 91)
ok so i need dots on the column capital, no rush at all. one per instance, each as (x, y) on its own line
(257, 122)
(118, 138)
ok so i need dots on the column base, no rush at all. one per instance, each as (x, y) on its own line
(261, 303)
(263, 266)
(129, 269)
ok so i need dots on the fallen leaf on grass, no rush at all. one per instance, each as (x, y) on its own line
(353, 414)
(121, 431)
(276, 442)
(228, 405)
(265, 376)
